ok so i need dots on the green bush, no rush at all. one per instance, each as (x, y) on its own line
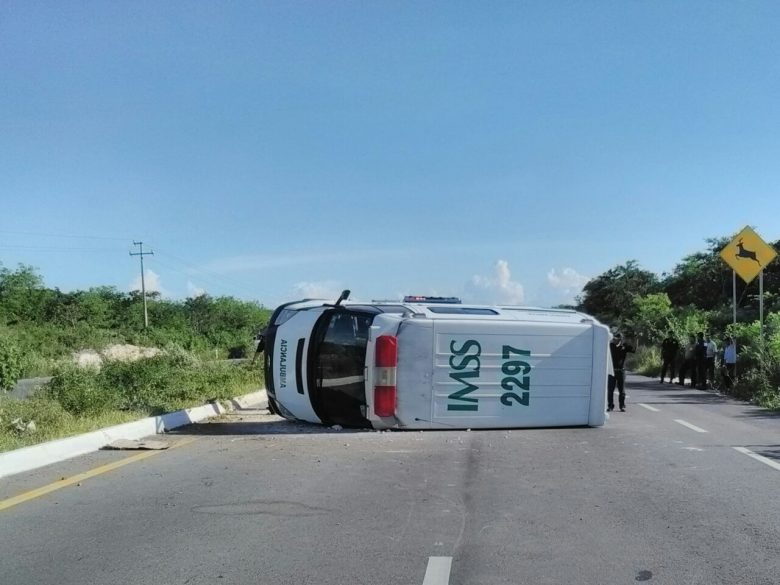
(51, 420)
(81, 391)
(164, 383)
(758, 362)
(646, 361)
(11, 363)
(45, 411)
(161, 384)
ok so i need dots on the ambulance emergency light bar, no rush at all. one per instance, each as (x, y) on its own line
(424, 299)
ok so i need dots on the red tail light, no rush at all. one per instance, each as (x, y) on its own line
(386, 351)
(386, 360)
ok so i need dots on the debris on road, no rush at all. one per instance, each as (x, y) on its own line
(128, 445)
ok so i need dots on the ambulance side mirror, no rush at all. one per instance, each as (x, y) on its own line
(342, 297)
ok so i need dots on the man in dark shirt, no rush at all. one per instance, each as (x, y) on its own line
(669, 348)
(689, 362)
(618, 350)
(700, 355)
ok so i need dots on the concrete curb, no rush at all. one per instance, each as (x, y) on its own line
(35, 456)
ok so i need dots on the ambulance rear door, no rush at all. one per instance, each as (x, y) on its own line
(504, 373)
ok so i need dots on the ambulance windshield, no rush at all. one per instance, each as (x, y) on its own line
(337, 362)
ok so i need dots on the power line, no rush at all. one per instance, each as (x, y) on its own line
(213, 282)
(205, 274)
(51, 235)
(55, 248)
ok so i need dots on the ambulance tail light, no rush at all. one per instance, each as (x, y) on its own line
(386, 362)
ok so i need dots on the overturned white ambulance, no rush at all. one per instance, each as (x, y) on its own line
(434, 363)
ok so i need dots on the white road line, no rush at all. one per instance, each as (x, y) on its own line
(757, 457)
(438, 571)
(648, 407)
(690, 426)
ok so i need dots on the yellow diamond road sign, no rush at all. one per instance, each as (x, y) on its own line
(748, 254)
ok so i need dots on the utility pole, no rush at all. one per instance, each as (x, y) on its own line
(141, 253)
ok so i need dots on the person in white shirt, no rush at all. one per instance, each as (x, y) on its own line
(712, 352)
(730, 361)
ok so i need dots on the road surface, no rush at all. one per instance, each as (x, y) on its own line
(681, 489)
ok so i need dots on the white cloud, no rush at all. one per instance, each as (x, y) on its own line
(568, 283)
(498, 289)
(152, 282)
(194, 291)
(327, 289)
(567, 280)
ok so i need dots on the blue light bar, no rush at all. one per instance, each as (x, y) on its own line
(424, 299)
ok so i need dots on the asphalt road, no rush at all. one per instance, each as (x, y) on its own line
(648, 498)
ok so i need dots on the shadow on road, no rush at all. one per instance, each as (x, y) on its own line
(758, 413)
(676, 394)
(267, 425)
(768, 451)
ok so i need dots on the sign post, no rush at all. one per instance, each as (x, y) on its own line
(761, 304)
(734, 296)
(747, 255)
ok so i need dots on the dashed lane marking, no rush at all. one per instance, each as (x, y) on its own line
(648, 407)
(438, 571)
(58, 485)
(757, 457)
(690, 426)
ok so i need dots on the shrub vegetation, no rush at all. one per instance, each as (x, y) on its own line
(41, 328)
(695, 297)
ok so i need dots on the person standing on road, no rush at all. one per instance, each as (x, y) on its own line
(669, 348)
(618, 350)
(730, 362)
(711, 353)
(689, 362)
(700, 355)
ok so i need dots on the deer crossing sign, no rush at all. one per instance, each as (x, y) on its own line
(748, 254)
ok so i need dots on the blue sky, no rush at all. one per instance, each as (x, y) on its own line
(500, 151)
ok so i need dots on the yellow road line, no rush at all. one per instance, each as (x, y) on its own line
(57, 485)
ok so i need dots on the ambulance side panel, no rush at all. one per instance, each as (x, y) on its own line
(517, 374)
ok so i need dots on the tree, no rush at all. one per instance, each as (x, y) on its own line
(652, 317)
(22, 294)
(610, 296)
(702, 279)
(11, 363)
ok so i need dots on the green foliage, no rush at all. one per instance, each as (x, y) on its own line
(610, 296)
(43, 410)
(51, 420)
(40, 328)
(80, 400)
(22, 294)
(690, 320)
(696, 296)
(701, 279)
(11, 363)
(155, 385)
(48, 325)
(80, 391)
(758, 363)
(646, 361)
(651, 317)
